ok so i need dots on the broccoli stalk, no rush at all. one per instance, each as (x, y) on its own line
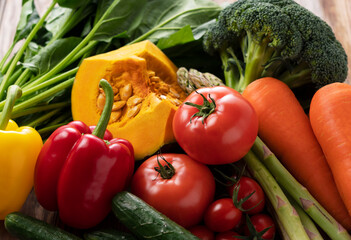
(275, 38)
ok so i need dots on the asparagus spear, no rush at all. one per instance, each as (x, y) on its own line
(307, 222)
(193, 79)
(299, 193)
(286, 214)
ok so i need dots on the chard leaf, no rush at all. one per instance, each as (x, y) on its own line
(167, 17)
(28, 18)
(125, 17)
(51, 54)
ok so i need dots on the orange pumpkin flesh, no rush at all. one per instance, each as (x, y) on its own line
(146, 91)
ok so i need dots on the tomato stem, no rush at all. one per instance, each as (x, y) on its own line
(166, 171)
(206, 109)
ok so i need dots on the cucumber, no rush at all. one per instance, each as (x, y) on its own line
(108, 234)
(26, 227)
(144, 221)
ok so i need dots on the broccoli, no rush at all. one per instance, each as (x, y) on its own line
(275, 38)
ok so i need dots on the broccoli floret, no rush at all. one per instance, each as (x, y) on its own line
(323, 59)
(277, 38)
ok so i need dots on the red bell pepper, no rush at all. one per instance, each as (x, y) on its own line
(78, 171)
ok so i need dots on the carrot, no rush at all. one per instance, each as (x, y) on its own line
(330, 116)
(286, 130)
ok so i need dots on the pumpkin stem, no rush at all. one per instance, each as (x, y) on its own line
(166, 171)
(205, 110)
(101, 126)
(14, 92)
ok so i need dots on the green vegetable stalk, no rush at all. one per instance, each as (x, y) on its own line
(56, 43)
(281, 205)
(299, 193)
(190, 80)
(308, 224)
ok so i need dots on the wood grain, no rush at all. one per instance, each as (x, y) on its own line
(337, 13)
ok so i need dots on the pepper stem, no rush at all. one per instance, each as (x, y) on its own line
(205, 110)
(13, 93)
(101, 126)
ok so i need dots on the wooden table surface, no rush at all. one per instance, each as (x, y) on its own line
(337, 13)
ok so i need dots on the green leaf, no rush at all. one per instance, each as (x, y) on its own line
(184, 35)
(57, 18)
(72, 3)
(125, 17)
(28, 18)
(167, 17)
(51, 54)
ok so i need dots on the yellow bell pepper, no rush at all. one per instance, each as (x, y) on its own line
(19, 149)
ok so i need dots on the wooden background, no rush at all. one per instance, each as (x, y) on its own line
(337, 13)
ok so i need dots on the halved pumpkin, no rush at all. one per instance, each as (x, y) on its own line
(146, 92)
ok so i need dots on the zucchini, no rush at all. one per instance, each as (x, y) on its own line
(108, 234)
(27, 227)
(144, 221)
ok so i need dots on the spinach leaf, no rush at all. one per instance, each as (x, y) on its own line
(183, 36)
(57, 19)
(162, 18)
(28, 18)
(125, 17)
(51, 54)
(62, 20)
(72, 3)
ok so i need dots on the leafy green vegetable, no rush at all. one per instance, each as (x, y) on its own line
(166, 17)
(51, 55)
(57, 42)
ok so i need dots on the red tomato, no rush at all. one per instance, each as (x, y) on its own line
(222, 215)
(260, 222)
(183, 197)
(229, 235)
(246, 186)
(202, 232)
(225, 135)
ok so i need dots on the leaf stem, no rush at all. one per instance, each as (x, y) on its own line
(42, 96)
(6, 56)
(14, 92)
(20, 52)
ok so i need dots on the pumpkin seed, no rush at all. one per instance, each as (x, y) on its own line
(126, 92)
(151, 73)
(134, 100)
(115, 116)
(118, 105)
(101, 101)
(174, 93)
(163, 89)
(154, 79)
(133, 111)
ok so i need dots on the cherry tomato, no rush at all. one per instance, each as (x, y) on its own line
(202, 232)
(229, 235)
(260, 222)
(183, 195)
(224, 132)
(222, 215)
(246, 186)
